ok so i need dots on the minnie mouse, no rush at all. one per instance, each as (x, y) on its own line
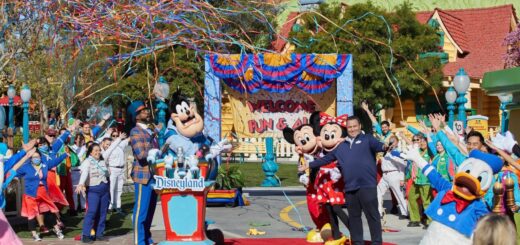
(329, 183)
(306, 142)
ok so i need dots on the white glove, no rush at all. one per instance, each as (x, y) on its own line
(335, 175)
(152, 155)
(308, 158)
(412, 153)
(168, 161)
(304, 179)
(509, 142)
(225, 146)
(215, 150)
(498, 141)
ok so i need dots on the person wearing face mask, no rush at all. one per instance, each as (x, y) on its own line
(36, 200)
(113, 152)
(49, 147)
(420, 187)
(8, 168)
(64, 173)
(53, 180)
(94, 174)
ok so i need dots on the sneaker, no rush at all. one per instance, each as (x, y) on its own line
(36, 237)
(58, 233)
(425, 227)
(44, 230)
(86, 239)
(403, 217)
(414, 224)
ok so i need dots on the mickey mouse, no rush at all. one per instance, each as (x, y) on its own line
(307, 143)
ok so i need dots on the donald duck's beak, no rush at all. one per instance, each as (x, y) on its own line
(467, 186)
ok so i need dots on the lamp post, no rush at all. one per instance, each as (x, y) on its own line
(505, 99)
(11, 92)
(25, 93)
(451, 97)
(161, 91)
(461, 83)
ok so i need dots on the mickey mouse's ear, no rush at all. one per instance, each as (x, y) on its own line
(288, 135)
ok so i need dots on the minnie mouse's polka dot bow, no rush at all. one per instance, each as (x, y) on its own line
(326, 118)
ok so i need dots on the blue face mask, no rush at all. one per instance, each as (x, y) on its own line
(36, 161)
(44, 148)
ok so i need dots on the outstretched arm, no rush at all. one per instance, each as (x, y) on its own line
(436, 180)
(375, 124)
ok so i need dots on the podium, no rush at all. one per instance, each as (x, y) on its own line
(183, 204)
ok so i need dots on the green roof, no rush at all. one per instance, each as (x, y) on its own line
(501, 81)
(417, 5)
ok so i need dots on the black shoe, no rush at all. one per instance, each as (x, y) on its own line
(425, 227)
(101, 239)
(414, 224)
(86, 239)
(120, 212)
(402, 217)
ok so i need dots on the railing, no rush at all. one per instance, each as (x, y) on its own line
(253, 149)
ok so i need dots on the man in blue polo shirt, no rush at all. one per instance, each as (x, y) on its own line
(357, 161)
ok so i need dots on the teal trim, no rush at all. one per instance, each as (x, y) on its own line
(444, 57)
(183, 215)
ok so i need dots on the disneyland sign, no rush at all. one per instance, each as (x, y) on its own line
(179, 184)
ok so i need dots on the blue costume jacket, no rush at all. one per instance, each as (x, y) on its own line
(463, 222)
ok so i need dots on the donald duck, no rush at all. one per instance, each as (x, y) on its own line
(458, 205)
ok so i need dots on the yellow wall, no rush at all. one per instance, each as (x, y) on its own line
(450, 49)
(514, 126)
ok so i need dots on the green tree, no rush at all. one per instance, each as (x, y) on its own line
(334, 30)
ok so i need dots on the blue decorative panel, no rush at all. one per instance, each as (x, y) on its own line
(345, 91)
(183, 214)
(212, 109)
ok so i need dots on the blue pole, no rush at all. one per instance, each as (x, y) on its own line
(505, 118)
(451, 114)
(269, 166)
(461, 101)
(11, 113)
(161, 118)
(25, 122)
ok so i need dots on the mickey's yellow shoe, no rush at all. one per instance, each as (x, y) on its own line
(326, 232)
(314, 237)
(340, 241)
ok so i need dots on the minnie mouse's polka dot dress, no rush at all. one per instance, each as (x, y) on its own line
(326, 190)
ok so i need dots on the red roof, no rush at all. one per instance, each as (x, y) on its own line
(280, 42)
(479, 32)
